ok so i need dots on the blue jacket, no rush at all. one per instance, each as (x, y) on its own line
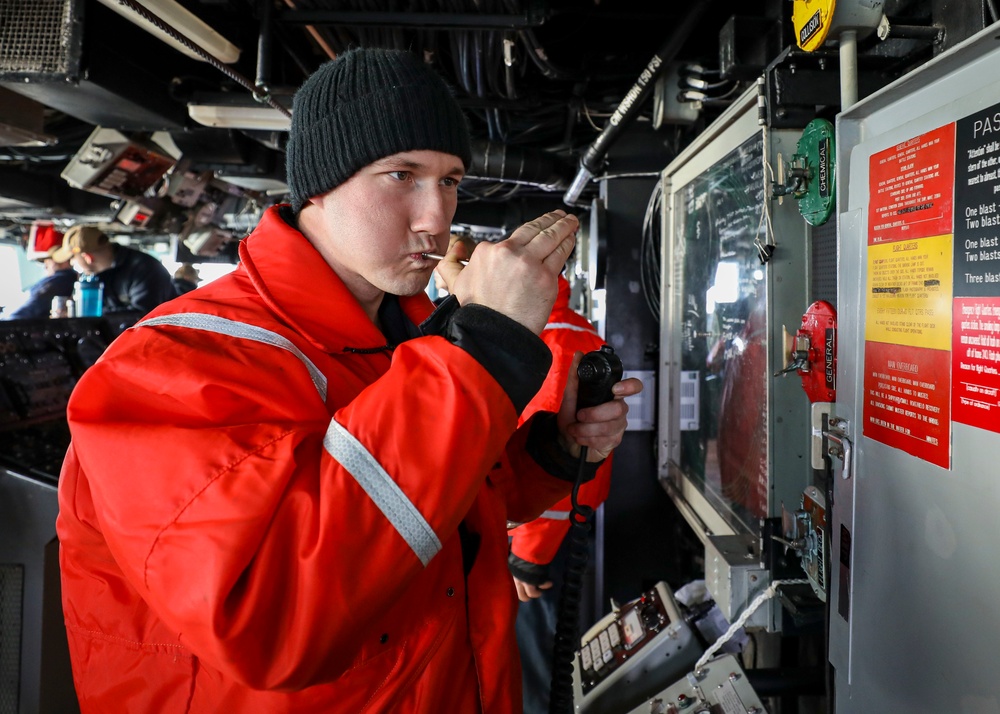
(136, 281)
(39, 301)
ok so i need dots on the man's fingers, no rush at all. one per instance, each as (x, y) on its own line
(460, 250)
(627, 387)
(526, 232)
(567, 410)
(449, 269)
(550, 237)
(558, 257)
(600, 427)
(611, 410)
(527, 591)
(555, 243)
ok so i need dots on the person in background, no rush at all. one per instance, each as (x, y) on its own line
(58, 282)
(539, 548)
(186, 278)
(133, 280)
(281, 493)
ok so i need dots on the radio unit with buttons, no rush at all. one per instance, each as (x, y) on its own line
(632, 653)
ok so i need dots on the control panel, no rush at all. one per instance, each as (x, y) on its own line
(805, 533)
(719, 687)
(632, 652)
(40, 363)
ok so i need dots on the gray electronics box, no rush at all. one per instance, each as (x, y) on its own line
(734, 575)
(720, 686)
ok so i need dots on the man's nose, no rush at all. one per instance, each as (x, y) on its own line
(434, 211)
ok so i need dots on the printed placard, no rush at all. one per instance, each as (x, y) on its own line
(976, 334)
(975, 396)
(908, 296)
(906, 400)
(911, 188)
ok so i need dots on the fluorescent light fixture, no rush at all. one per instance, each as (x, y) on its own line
(184, 22)
(259, 117)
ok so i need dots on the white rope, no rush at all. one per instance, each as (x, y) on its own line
(768, 593)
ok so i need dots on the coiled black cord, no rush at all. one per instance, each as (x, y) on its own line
(567, 635)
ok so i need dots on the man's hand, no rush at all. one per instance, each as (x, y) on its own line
(459, 248)
(527, 591)
(517, 276)
(600, 428)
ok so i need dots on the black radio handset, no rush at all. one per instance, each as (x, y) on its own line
(598, 372)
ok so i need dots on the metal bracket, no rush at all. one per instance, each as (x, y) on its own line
(830, 437)
(820, 413)
(841, 443)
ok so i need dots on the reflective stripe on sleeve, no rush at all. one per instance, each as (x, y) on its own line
(232, 328)
(385, 492)
(569, 326)
(555, 515)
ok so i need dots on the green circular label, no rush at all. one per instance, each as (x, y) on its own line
(817, 147)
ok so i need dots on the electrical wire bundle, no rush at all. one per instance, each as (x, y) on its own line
(698, 84)
(649, 255)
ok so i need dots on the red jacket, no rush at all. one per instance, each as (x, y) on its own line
(565, 332)
(259, 508)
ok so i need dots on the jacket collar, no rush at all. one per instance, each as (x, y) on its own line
(302, 290)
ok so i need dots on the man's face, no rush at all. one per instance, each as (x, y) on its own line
(375, 225)
(81, 263)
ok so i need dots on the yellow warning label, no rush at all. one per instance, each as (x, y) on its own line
(909, 293)
(811, 20)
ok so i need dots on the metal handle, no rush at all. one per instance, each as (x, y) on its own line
(844, 452)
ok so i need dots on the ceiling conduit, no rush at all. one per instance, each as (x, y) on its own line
(499, 162)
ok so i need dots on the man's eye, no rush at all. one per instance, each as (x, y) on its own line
(400, 175)
(450, 182)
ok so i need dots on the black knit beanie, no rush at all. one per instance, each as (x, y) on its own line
(365, 105)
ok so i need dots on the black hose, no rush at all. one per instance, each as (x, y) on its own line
(264, 41)
(628, 109)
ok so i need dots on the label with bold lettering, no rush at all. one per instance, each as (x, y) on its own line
(906, 401)
(975, 365)
(911, 188)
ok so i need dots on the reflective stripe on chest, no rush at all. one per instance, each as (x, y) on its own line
(338, 442)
